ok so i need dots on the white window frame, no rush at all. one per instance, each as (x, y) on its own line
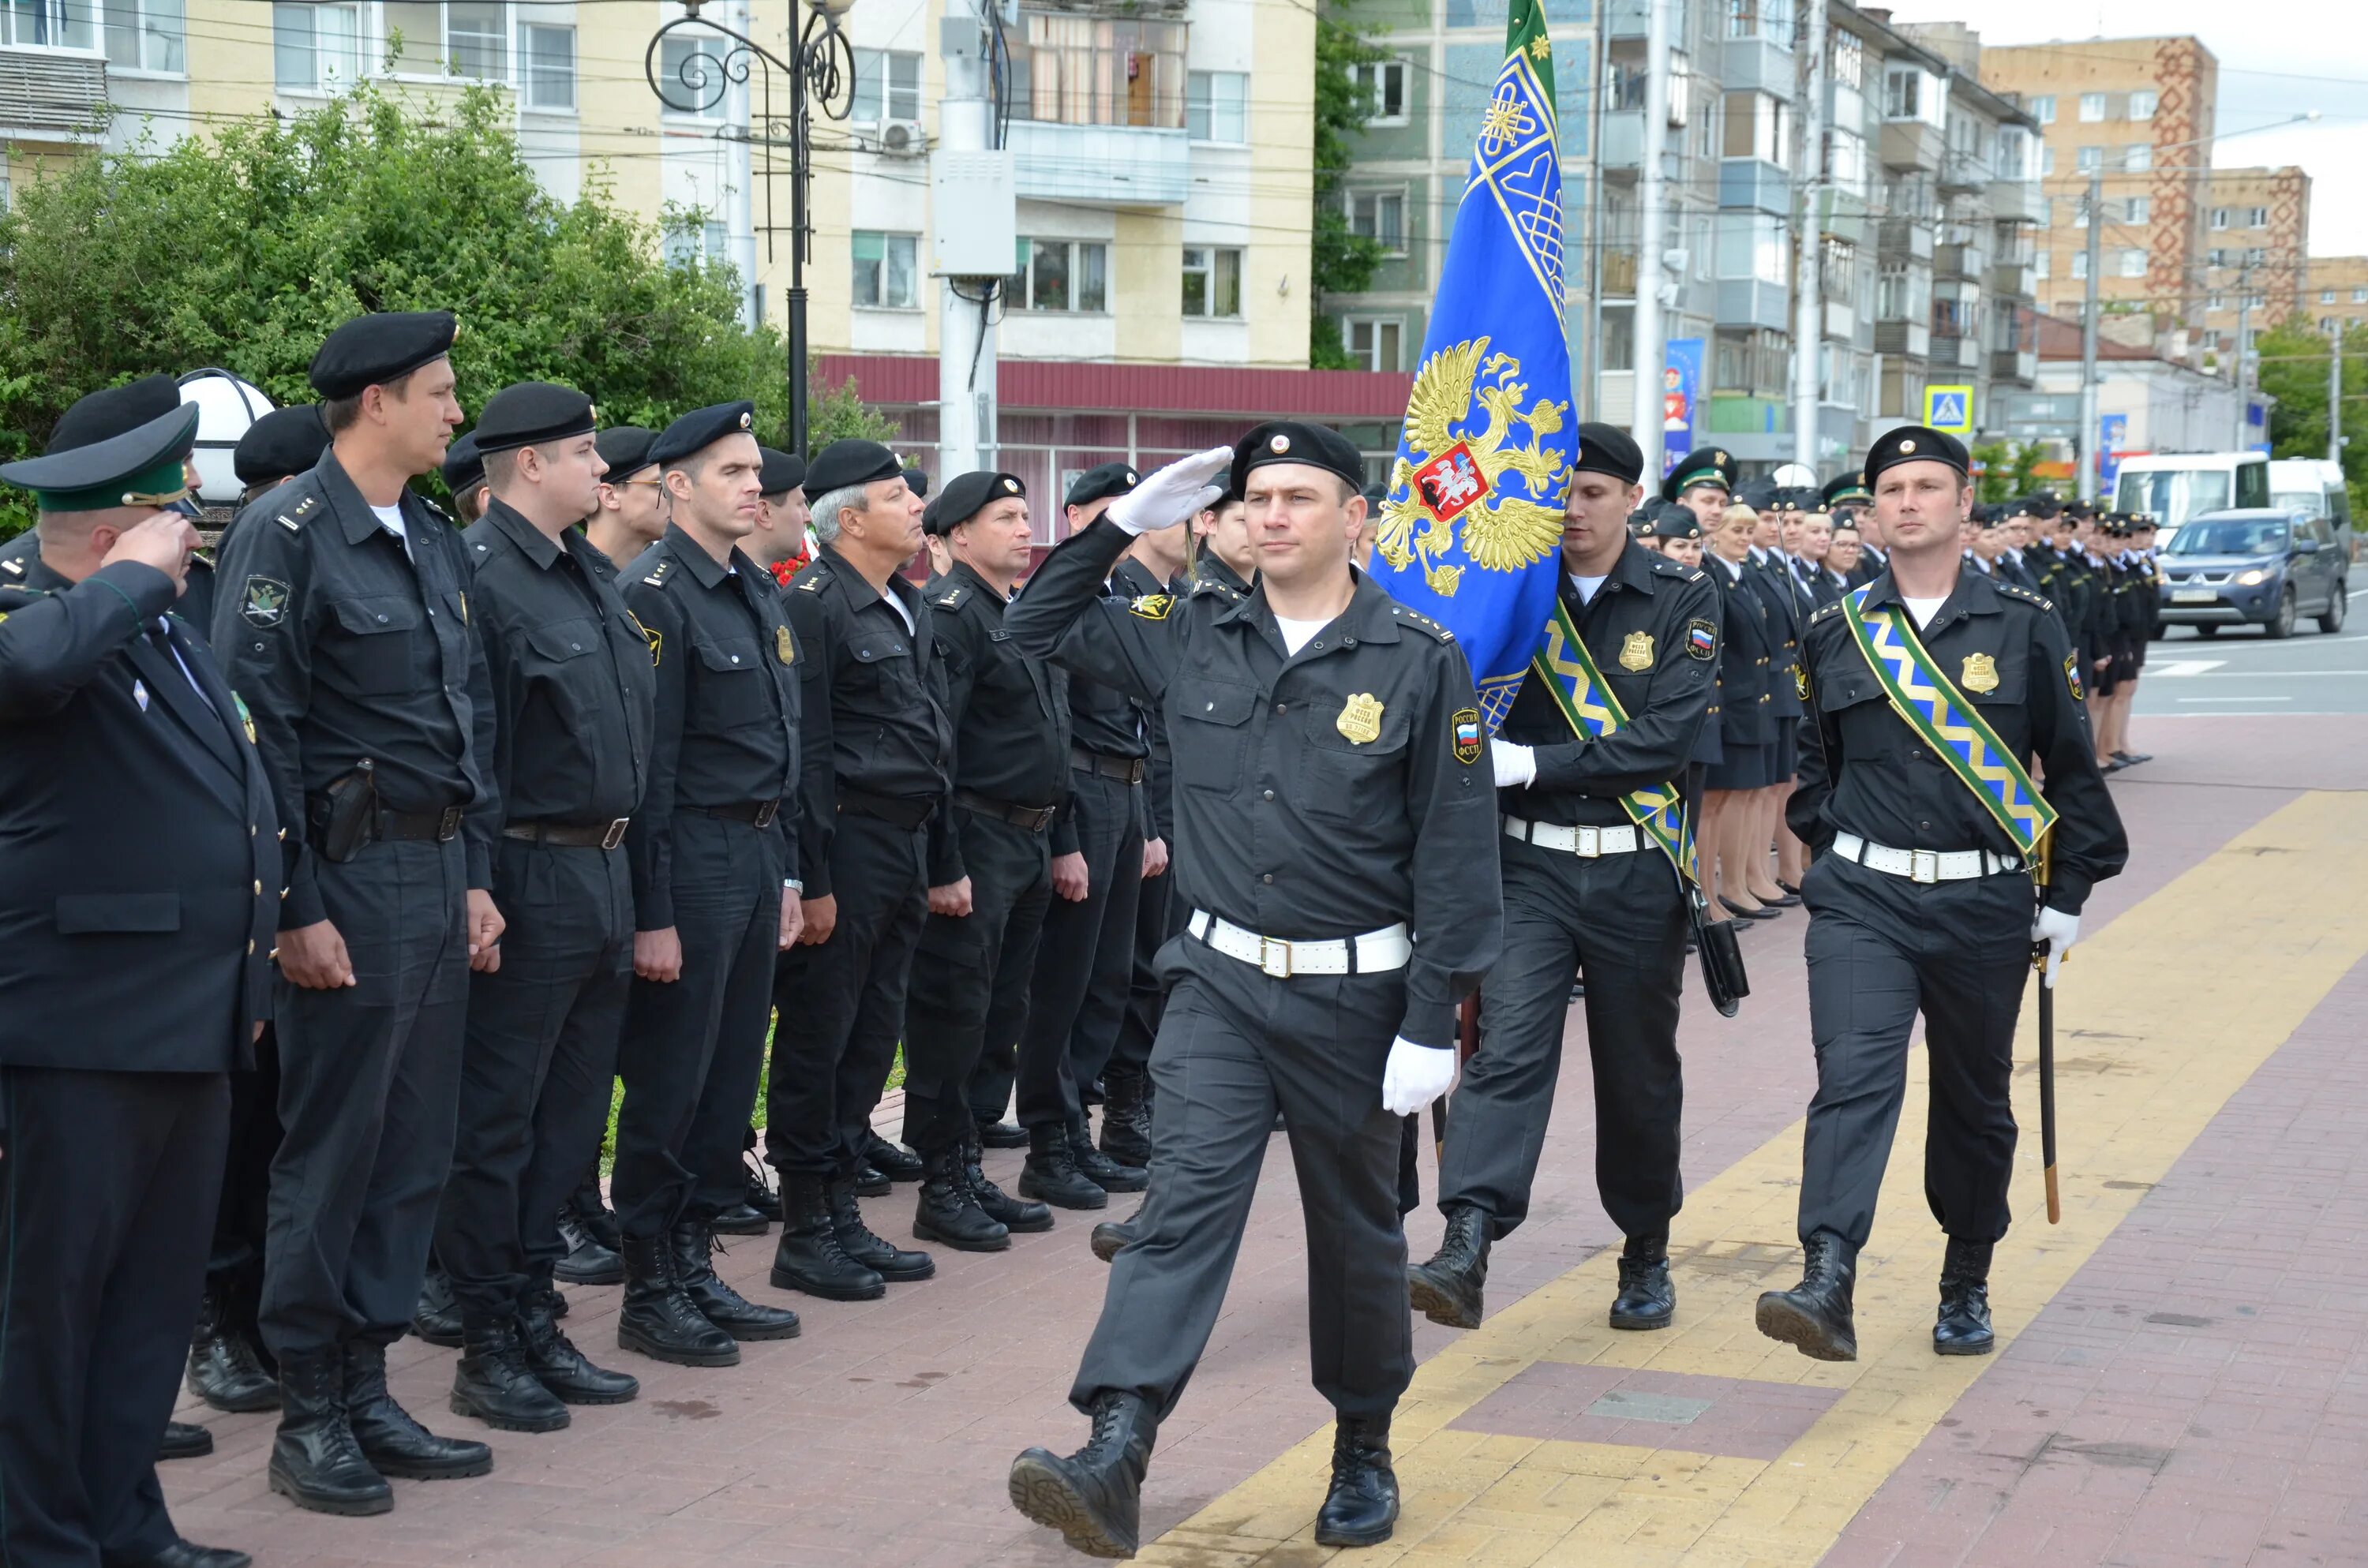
(2092, 108)
(2257, 217)
(158, 32)
(1221, 99)
(2138, 209)
(875, 77)
(2079, 266)
(356, 47)
(883, 278)
(681, 46)
(2090, 159)
(1365, 205)
(1375, 79)
(2131, 262)
(56, 24)
(1378, 329)
(2219, 218)
(1019, 287)
(2326, 296)
(2042, 109)
(532, 77)
(2360, 296)
(2143, 104)
(1210, 263)
(2137, 157)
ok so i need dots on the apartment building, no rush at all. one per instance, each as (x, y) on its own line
(2256, 253)
(2335, 293)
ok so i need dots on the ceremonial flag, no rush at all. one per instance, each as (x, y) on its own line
(1471, 528)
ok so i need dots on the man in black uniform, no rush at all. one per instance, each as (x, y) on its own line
(1587, 888)
(572, 704)
(1332, 796)
(464, 478)
(712, 848)
(344, 619)
(1920, 898)
(137, 904)
(879, 755)
(630, 515)
(990, 857)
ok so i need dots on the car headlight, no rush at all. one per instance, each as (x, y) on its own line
(2252, 579)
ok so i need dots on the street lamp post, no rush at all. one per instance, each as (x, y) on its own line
(821, 76)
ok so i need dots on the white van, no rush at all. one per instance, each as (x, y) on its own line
(2175, 486)
(2314, 486)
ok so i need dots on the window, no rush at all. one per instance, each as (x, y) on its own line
(2360, 296)
(2133, 263)
(2215, 258)
(1379, 215)
(2041, 267)
(2215, 301)
(1212, 281)
(475, 44)
(1217, 105)
(2042, 109)
(1618, 337)
(2138, 209)
(2092, 108)
(696, 240)
(887, 86)
(2014, 158)
(690, 74)
(884, 271)
(2080, 212)
(1060, 275)
(1903, 92)
(2219, 217)
(1850, 61)
(1770, 20)
(1753, 246)
(47, 24)
(1846, 163)
(146, 35)
(2138, 156)
(547, 66)
(2142, 106)
(1373, 342)
(1381, 83)
(1758, 125)
(2254, 255)
(1085, 70)
(2079, 263)
(2046, 163)
(316, 48)
(2326, 296)
(2257, 217)
(2092, 159)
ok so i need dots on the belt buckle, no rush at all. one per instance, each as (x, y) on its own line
(1923, 865)
(616, 834)
(765, 813)
(1274, 957)
(1587, 843)
(447, 826)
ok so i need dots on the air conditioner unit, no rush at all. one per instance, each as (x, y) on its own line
(902, 139)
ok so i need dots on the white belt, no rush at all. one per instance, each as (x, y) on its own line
(1924, 865)
(1386, 948)
(1585, 842)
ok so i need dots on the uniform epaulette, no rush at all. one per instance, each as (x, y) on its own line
(307, 504)
(14, 568)
(20, 594)
(1693, 573)
(952, 597)
(1416, 619)
(434, 510)
(480, 546)
(659, 574)
(2016, 591)
(1206, 585)
(1669, 568)
(1826, 612)
(816, 573)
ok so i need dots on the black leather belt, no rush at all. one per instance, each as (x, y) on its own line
(895, 810)
(1126, 769)
(439, 826)
(574, 835)
(756, 814)
(1035, 819)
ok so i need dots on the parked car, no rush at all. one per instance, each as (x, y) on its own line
(2316, 486)
(2253, 566)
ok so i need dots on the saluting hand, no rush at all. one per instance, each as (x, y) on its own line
(314, 957)
(953, 899)
(163, 540)
(1168, 495)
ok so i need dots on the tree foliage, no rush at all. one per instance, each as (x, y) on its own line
(2009, 468)
(2294, 371)
(1339, 261)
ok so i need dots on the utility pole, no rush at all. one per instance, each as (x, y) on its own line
(2335, 395)
(2091, 433)
(2244, 330)
(974, 215)
(1652, 353)
(1809, 310)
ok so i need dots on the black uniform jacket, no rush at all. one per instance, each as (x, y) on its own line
(875, 716)
(139, 848)
(574, 691)
(728, 703)
(1780, 596)
(1338, 790)
(1134, 580)
(346, 645)
(1010, 715)
(1864, 770)
(1746, 657)
(1653, 631)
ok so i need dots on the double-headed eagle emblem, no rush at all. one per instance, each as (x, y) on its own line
(1448, 478)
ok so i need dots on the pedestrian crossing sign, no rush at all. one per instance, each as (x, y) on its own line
(1948, 409)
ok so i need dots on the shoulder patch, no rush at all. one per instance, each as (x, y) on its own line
(1693, 573)
(815, 574)
(952, 598)
(1152, 607)
(1669, 568)
(291, 524)
(2016, 591)
(1421, 622)
(1827, 612)
(307, 504)
(14, 568)
(660, 573)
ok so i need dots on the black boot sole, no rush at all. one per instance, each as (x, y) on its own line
(906, 1275)
(1109, 1240)
(463, 1405)
(1964, 1347)
(1782, 1321)
(656, 1350)
(611, 1273)
(316, 1503)
(1040, 1193)
(785, 1280)
(926, 1232)
(1435, 1302)
(406, 1469)
(1042, 1494)
(266, 1397)
(1357, 1538)
(1642, 1322)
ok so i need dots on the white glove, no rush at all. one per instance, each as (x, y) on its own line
(1515, 764)
(1416, 1075)
(2059, 931)
(1167, 496)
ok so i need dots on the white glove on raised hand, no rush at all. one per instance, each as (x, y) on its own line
(1167, 496)
(1516, 765)
(2059, 931)
(1416, 1075)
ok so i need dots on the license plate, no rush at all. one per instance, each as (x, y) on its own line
(2194, 595)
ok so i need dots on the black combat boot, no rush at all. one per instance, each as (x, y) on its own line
(225, 1369)
(1051, 1173)
(659, 1319)
(1099, 1168)
(1448, 1288)
(393, 1443)
(494, 1383)
(1112, 1237)
(315, 1462)
(764, 1188)
(809, 1257)
(184, 1554)
(895, 1161)
(995, 1134)
(1646, 1299)
(1126, 1117)
(1964, 1325)
(1012, 1213)
(558, 1366)
(1094, 1497)
(592, 1211)
(694, 1270)
(949, 1210)
(589, 1262)
(436, 1319)
(740, 1219)
(1814, 1317)
(856, 1239)
(183, 1440)
(1362, 1508)
(870, 1181)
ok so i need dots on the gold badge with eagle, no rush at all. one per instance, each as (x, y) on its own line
(1637, 652)
(1361, 720)
(1980, 675)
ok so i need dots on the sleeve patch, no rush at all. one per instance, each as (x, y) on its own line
(1800, 681)
(2072, 678)
(1152, 607)
(264, 602)
(1467, 724)
(1701, 639)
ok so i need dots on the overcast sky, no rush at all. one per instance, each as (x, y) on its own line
(2277, 59)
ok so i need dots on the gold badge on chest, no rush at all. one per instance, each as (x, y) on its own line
(1980, 675)
(783, 649)
(1360, 719)
(1636, 652)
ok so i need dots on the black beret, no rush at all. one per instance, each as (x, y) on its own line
(1288, 441)
(850, 461)
(1607, 449)
(626, 448)
(126, 463)
(1704, 465)
(1914, 443)
(699, 429)
(1844, 489)
(464, 467)
(532, 412)
(1759, 495)
(385, 346)
(966, 496)
(918, 478)
(113, 410)
(781, 473)
(1109, 478)
(283, 443)
(1676, 522)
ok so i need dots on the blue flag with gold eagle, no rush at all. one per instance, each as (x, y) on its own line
(1472, 527)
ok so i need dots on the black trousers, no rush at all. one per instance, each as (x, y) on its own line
(370, 1079)
(841, 1003)
(1881, 949)
(536, 1069)
(108, 1181)
(694, 1046)
(1234, 1044)
(1623, 919)
(970, 976)
(1146, 993)
(242, 1215)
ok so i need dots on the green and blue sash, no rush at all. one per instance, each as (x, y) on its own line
(1568, 670)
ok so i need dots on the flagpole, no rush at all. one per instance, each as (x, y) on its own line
(1651, 355)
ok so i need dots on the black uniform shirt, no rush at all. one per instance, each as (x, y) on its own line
(350, 643)
(727, 703)
(1103, 719)
(1652, 628)
(1864, 771)
(1287, 823)
(1136, 581)
(574, 689)
(1746, 652)
(1010, 715)
(875, 711)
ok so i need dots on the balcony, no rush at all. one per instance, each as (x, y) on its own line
(1947, 352)
(1910, 145)
(1904, 239)
(1749, 302)
(2015, 200)
(48, 95)
(1909, 339)
(1749, 185)
(1958, 261)
(2014, 365)
(2016, 280)
(1962, 174)
(1101, 166)
(1625, 18)
(1618, 279)
(1845, 217)
(1842, 320)
(1623, 139)
(1757, 65)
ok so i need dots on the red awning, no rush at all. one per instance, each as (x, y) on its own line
(1332, 396)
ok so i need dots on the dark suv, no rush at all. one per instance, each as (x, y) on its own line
(2256, 566)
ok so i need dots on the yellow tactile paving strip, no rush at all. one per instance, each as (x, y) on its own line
(2161, 1017)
